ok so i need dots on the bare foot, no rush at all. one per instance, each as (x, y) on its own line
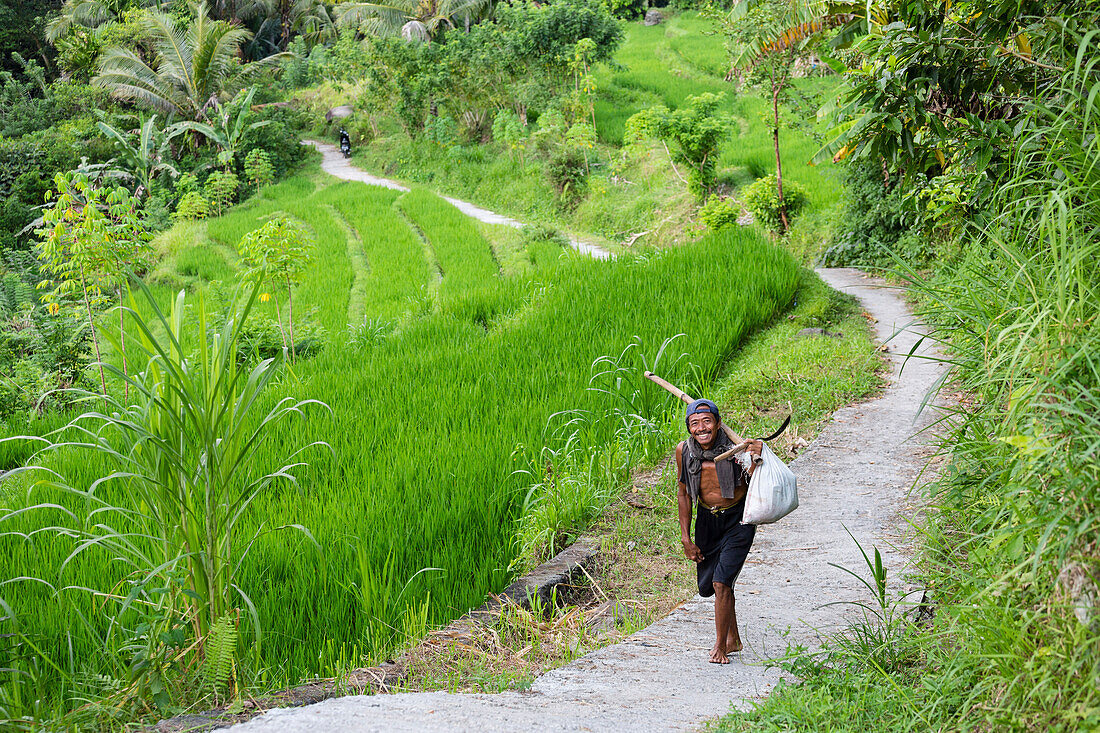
(733, 643)
(718, 655)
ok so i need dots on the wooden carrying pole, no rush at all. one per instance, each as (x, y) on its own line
(740, 443)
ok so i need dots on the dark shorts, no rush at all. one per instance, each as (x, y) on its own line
(725, 544)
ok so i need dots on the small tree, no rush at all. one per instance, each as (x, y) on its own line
(765, 38)
(278, 252)
(695, 130)
(221, 191)
(258, 169)
(581, 136)
(91, 237)
(192, 206)
(584, 84)
(508, 129)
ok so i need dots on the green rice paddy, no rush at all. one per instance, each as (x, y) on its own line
(429, 422)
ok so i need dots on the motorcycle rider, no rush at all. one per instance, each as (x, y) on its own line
(345, 142)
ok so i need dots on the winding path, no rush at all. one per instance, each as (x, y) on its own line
(335, 164)
(854, 478)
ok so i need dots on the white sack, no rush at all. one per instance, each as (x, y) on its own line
(773, 491)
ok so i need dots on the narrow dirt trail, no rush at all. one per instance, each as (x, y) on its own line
(335, 164)
(853, 478)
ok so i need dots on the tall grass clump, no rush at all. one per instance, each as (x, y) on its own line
(1019, 539)
(151, 495)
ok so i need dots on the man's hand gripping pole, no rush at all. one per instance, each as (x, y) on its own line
(740, 443)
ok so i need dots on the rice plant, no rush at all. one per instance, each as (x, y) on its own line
(464, 256)
(396, 269)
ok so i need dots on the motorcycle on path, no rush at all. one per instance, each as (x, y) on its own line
(345, 143)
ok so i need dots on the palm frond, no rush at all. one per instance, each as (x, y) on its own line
(172, 50)
(129, 77)
(794, 25)
(215, 60)
(458, 9)
(376, 16)
(250, 72)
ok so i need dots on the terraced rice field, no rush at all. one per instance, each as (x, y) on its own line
(431, 415)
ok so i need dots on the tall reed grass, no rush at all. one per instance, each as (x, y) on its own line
(176, 476)
(1020, 509)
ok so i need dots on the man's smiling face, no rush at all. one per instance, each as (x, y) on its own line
(704, 428)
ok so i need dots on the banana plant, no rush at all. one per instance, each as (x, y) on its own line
(145, 155)
(230, 125)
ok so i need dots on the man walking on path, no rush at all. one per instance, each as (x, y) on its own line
(721, 542)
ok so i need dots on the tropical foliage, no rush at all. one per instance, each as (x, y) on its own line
(413, 20)
(144, 155)
(191, 71)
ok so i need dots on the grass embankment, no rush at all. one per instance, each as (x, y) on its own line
(431, 417)
(636, 190)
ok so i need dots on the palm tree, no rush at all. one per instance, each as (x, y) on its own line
(413, 19)
(191, 71)
(284, 19)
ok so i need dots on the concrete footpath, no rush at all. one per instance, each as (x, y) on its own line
(853, 478)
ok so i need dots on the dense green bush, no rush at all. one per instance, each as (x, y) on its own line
(719, 213)
(547, 34)
(344, 61)
(695, 131)
(626, 9)
(279, 138)
(762, 199)
(567, 171)
(27, 166)
(879, 221)
(26, 107)
(41, 350)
